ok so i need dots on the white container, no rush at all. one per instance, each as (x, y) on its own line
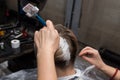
(15, 43)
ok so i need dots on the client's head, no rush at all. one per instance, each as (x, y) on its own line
(66, 53)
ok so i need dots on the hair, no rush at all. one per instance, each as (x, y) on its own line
(71, 40)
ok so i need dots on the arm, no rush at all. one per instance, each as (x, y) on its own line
(47, 41)
(92, 56)
(46, 66)
(110, 71)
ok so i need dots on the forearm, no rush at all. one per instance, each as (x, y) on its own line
(46, 67)
(110, 71)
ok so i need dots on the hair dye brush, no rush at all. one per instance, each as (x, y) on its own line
(31, 11)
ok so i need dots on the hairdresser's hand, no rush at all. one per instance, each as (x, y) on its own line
(92, 56)
(47, 42)
(47, 39)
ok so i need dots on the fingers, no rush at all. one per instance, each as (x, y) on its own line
(36, 36)
(50, 25)
(44, 28)
(82, 52)
(56, 32)
(87, 50)
(86, 58)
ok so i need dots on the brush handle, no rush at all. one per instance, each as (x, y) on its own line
(40, 20)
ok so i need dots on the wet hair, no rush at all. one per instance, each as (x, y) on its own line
(71, 40)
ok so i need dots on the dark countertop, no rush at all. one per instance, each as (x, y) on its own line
(8, 53)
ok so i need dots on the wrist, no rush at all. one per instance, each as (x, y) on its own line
(114, 75)
(103, 67)
(43, 52)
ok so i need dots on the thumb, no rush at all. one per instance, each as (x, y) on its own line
(50, 25)
(86, 58)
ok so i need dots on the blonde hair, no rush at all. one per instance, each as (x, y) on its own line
(69, 38)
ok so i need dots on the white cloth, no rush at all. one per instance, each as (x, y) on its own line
(77, 74)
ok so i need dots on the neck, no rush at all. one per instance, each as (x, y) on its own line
(65, 72)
